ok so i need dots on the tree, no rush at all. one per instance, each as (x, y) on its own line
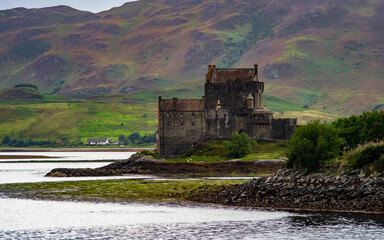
(134, 137)
(123, 139)
(239, 146)
(366, 127)
(6, 140)
(313, 143)
(65, 140)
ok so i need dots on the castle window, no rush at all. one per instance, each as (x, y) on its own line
(181, 114)
(193, 124)
(168, 124)
(182, 124)
(193, 114)
(225, 115)
(167, 114)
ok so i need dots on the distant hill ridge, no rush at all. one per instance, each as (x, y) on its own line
(21, 92)
(327, 55)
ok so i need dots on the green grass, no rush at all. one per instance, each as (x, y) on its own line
(112, 190)
(278, 104)
(215, 151)
(54, 120)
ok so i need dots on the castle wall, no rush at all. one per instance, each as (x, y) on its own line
(181, 125)
(283, 128)
(232, 95)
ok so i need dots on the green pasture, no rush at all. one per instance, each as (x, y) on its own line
(75, 120)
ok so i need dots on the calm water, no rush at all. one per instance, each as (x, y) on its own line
(69, 156)
(35, 172)
(33, 219)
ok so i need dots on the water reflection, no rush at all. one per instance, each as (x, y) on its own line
(30, 219)
(333, 218)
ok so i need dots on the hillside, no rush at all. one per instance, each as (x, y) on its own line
(326, 54)
(75, 120)
(22, 91)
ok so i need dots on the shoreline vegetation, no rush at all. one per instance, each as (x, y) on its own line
(330, 167)
(147, 165)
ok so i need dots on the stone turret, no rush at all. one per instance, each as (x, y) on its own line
(250, 101)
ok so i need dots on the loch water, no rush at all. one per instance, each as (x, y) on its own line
(36, 219)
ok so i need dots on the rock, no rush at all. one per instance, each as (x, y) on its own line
(315, 191)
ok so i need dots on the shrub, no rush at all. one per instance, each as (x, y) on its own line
(379, 164)
(239, 146)
(366, 127)
(313, 143)
(210, 148)
(365, 156)
(153, 153)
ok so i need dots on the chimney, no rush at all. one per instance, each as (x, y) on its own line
(208, 76)
(213, 68)
(174, 104)
(256, 72)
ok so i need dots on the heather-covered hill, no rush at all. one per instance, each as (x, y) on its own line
(326, 54)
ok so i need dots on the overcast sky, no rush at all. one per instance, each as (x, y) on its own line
(86, 5)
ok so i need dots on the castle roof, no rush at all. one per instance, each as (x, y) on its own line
(250, 97)
(181, 104)
(222, 75)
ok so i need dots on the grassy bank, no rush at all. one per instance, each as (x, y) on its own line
(215, 151)
(113, 190)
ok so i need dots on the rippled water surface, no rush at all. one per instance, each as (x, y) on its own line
(35, 219)
(31, 219)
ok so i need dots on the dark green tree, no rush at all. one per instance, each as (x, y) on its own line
(134, 137)
(6, 140)
(65, 140)
(313, 143)
(239, 146)
(366, 127)
(123, 139)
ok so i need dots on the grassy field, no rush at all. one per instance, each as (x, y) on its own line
(41, 120)
(113, 190)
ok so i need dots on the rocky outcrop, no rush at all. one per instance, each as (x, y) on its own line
(142, 164)
(288, 189)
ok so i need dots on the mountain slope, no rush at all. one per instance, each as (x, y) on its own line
(327, 55)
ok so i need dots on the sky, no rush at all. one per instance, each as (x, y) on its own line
(85, 5)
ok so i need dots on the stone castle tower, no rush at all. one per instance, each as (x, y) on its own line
(232, 102)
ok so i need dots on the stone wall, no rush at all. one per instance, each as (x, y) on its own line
(181, 126)
(283, 128)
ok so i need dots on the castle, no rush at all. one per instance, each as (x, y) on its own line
(232, 102)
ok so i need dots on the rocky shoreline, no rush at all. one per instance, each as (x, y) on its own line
(147, 165)
(289, 189)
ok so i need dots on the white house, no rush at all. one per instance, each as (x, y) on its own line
(98, 141)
